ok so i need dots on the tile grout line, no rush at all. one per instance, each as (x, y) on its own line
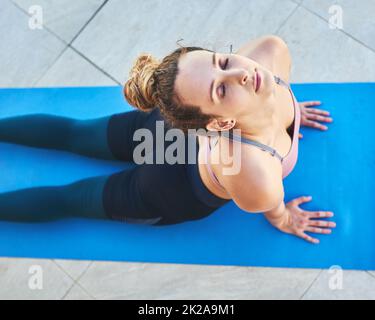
(81, 276)
(67, 292)
(67, 274)
(45, 27)
(341, 30)
(51, 32)
(288, 17)
(368, 271)
(94, 65)
(85, 291)
(88, 21)
(68, 45)
(52, 64)
(312, 283)
(75, 281)
(62, 269)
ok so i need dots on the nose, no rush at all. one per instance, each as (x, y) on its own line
(244, 77)
(237, 75)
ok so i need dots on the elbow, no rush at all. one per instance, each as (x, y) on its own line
(263, 202)
(260, 205)
(252, 209)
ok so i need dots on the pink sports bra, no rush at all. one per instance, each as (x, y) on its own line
(288, 162)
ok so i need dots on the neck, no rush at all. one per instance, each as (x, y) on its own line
(263, 123)
(260, 124)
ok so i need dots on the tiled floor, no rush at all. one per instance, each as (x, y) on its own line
(94, 42)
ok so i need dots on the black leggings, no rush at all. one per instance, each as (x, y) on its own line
(157, 194)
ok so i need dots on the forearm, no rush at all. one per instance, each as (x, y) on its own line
(275, 215)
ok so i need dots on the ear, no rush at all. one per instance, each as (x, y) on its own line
(221, 125)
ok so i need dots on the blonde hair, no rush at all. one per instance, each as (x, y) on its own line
(151, 85)
(139, 89)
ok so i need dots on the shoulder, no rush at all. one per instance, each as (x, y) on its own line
(252, 177)
(272, 52)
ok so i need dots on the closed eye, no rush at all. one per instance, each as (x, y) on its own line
(226, 64)
(223, 85)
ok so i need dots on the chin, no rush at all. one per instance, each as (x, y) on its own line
(268, 84)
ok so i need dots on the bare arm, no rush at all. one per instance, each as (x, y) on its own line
(266, 190)
(257, 186)
(259, 189)
(276, 215)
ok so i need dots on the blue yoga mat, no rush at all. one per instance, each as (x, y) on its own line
(336, 167)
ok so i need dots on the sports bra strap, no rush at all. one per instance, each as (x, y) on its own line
(255, 143)
(278, 80)
(262, 146)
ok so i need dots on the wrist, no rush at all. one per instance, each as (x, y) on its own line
(276, 216)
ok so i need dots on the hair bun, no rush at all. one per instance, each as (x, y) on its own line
(138, 90)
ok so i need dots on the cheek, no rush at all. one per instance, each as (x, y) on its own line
(241, 99)
(237, 103)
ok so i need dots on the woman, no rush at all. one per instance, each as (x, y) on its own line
(192, 88)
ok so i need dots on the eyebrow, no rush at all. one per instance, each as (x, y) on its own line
(213, 81)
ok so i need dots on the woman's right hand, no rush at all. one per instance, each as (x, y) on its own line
(297, 221)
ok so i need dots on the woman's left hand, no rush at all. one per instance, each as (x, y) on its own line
(308, 115)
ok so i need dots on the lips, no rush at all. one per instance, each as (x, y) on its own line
(258, 81)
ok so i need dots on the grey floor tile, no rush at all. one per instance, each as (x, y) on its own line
(372, 273)
(26, 53)
(237, 283)
(358, 16)
(74, 268)
(352, 285)
(281, 283)
(72, 70)
(237, 22)
(64, 17)
(77, 293)
(325, 55)
(113, 41)
(172, 281)
(16, 276)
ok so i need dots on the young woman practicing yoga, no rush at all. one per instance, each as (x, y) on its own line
(192, 88)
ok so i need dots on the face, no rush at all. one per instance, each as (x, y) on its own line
(225, 85)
